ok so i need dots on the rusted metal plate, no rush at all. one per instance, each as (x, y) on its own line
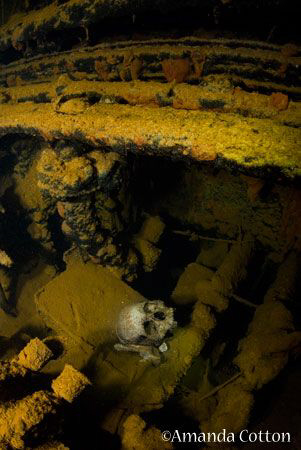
(199, 135)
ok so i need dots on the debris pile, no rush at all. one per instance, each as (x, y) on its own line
(21, 419)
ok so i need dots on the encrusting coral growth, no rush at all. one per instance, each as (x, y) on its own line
(37, 209)
(18, 419)
(90, 193)
(34, 355)
(86, 188)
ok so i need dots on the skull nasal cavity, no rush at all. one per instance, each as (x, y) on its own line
(159, 315)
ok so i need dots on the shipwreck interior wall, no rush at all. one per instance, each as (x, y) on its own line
(150, 222)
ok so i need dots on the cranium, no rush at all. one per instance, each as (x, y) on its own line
(145, 323)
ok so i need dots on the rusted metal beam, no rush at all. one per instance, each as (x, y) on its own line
(198, 135)
(183, 96)
(251, 65)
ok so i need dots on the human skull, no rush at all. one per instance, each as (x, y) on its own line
(145, 323)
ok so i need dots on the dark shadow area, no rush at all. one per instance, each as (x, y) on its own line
(277, 407)
(273, 22)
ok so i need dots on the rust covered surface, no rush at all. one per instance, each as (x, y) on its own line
(200, 135)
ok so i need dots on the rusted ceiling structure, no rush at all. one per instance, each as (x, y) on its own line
(233, 102)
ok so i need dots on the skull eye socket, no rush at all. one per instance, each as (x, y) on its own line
(159, 315)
